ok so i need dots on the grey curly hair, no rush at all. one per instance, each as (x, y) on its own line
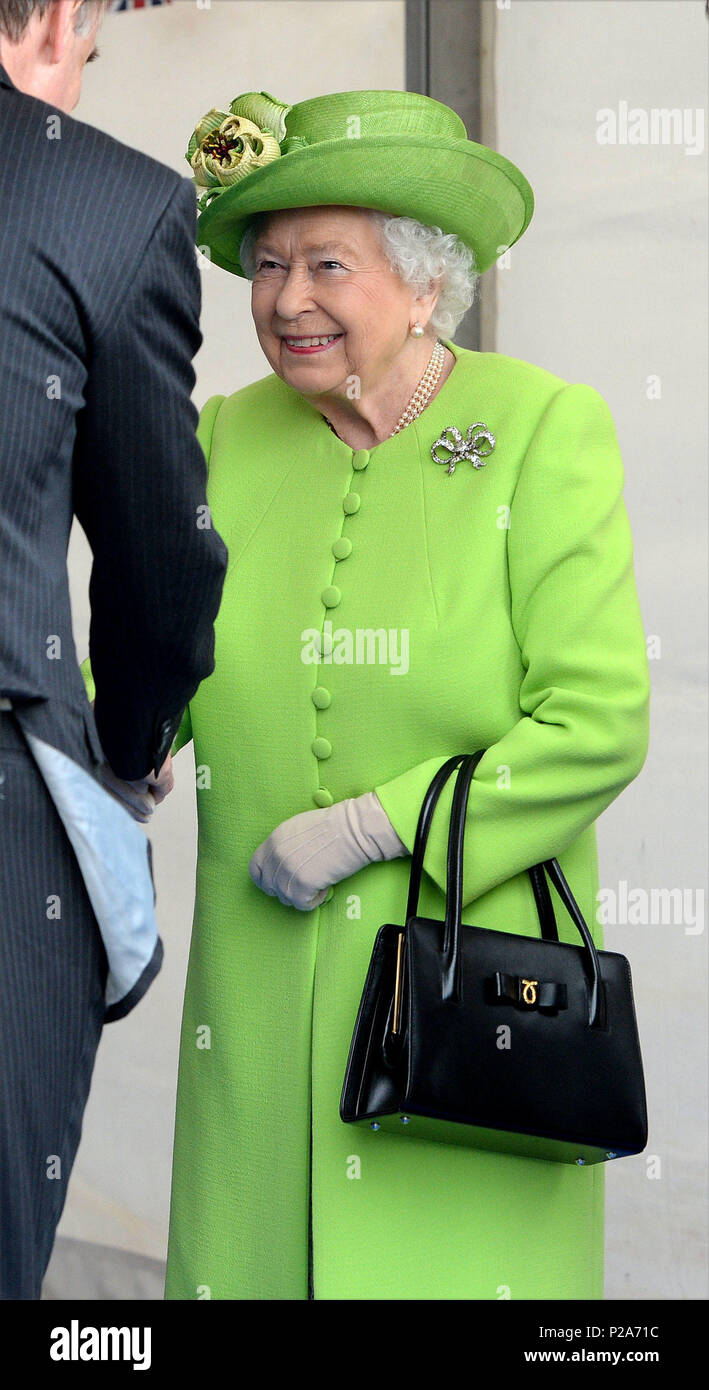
(417, 253)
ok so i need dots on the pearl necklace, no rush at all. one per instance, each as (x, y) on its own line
(423, 392)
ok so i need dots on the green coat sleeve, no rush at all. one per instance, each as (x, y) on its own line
(584, 698)
(205, 430)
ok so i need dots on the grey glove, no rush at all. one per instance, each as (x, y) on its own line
(309, 852)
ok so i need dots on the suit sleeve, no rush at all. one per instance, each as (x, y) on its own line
(205, 430)
(140, 495)
(583, 730)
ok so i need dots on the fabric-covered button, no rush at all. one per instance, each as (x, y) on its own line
(320, 697)
(331, 596)
(342, 547)
(350, 503)
(360, 459)
(323, 797)
(321, 747)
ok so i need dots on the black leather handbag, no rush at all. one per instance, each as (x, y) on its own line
(472, 1036)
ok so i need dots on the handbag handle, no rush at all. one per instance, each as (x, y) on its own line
(428, 806)
(454, 901)
(540, 887)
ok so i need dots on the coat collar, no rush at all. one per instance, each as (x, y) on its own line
(5, 79)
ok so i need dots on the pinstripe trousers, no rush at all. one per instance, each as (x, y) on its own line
(53, 970)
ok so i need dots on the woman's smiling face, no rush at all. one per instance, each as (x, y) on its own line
(321, 273)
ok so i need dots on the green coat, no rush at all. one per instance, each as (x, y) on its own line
(515, 585)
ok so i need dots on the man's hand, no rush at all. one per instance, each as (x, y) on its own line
(160, 786)
(140, 798)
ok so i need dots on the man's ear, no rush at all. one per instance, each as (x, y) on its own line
(58, 27)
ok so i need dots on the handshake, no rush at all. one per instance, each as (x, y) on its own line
(141, 797)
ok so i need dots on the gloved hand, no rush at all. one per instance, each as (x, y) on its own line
(309, 852)
(142, 796)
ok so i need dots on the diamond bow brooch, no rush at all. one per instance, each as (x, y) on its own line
(477, 445)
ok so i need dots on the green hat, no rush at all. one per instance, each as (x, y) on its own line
(399, 152)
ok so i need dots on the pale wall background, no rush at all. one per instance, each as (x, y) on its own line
(608, 286)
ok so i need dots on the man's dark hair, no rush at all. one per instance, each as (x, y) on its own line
(15, 15)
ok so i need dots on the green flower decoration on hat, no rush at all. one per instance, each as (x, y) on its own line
(400, 152)
(227, 145)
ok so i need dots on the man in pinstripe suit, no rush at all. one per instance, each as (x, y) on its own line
(99, 322)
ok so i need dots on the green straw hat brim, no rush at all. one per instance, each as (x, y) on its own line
(457, 185)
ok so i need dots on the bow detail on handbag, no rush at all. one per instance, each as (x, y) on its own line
(529, 994)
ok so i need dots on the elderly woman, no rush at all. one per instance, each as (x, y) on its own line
(429, 552)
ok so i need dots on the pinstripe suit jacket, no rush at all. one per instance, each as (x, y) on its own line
(99, 321)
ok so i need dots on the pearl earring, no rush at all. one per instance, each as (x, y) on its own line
(416, 331)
